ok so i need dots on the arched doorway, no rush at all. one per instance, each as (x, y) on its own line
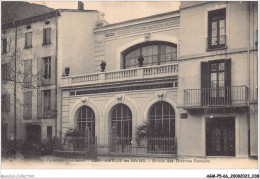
(85, 121)
(161, 128)
(121, 129)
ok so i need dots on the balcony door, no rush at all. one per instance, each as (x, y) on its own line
(220, 136)
(216, 83)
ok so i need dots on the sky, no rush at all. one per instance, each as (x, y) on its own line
(118, 11)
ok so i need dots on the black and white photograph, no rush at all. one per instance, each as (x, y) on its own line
(130, 85)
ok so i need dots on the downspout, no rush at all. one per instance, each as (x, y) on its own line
(248, 95)
(56, 68)
(15, 54)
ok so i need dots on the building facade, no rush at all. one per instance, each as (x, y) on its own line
(38, 46)
(178, 83)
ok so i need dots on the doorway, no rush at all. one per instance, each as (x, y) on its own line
(33, 133)
(220, 136)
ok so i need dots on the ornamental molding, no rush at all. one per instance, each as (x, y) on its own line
(85, 100)
(120, 98)
(161, 95)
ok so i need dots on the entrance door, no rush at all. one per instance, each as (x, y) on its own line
(220, 136)
(33, 133)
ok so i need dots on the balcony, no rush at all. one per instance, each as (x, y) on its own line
(235, 96)
(121, 75)
(217, 43)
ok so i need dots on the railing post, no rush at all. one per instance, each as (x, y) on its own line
(102, 78)
(140, 73)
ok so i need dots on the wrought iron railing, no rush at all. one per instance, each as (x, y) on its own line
(217, 42)
(228, 96)
(154, 145)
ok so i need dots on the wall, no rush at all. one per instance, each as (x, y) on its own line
(139, 103)
(193, 51)
(111, 41)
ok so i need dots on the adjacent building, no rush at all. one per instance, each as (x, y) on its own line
(188, 78)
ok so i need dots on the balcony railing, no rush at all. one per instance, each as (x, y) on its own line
(121, 75)
(228, 96)
(217, 42)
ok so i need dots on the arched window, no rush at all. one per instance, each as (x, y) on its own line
(121, 128)
(154, 53)
(162, 120)
(86, 118)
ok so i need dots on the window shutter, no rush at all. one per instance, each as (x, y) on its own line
(205, 83)
(228, 73)
(8, 44)
(29, 105)
(39, 71)
(24, 106)
(44, 36)
(53, 70)
(26, 40)
(53, 102)
(27, 73)
(39, 104)
(228, 82)
(205, 76)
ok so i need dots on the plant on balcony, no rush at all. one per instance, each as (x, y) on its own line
(67, 71)
(140, 61)
(103, 66)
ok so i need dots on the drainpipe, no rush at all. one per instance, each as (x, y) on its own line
(15, 54)
(249, 99)
(56, 70)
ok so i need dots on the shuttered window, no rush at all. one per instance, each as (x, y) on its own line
(28, 40)
(217, 28)
(46, 103)
(47, 67)
(5, 103)
(6, 72)
(215, 82)
(27, 73)
(27, 105)
(6, 43)
(47, 36)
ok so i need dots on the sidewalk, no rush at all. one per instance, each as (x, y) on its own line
(118, 162)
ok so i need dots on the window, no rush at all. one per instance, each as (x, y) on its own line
(4, 45)
(27, 73)
(86, 121)
(5, 103)
(47, 36)
(46, 103)
(6, 42)
(47, 67)
(217, 29)
(27, 105)
(162, 120)
(121, 128)
(28, 40)
(154, 53)
(5, 72)
(216, 82)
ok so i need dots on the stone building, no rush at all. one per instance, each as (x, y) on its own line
(39, 47)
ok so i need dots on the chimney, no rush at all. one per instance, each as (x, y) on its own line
(80, 5)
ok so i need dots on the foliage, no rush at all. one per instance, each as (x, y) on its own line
(73, 133)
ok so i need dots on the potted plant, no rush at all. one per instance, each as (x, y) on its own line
(140, 61)
(69, 136)
(67, 71)
(103, 66)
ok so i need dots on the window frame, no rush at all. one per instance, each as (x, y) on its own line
(28, 41)
(27, 107)
(46, 103)
(46, 36)
(47, 68)
(5, 72)
(5, 45)
(159, 44)
(5, 102)
(86, 120)
(219, 14)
